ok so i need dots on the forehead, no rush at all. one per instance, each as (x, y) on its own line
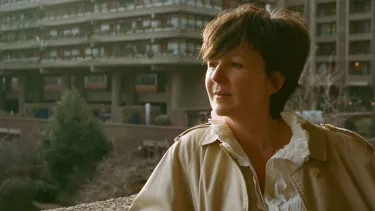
(243, 51)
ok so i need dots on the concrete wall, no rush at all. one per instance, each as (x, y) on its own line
(30, 130)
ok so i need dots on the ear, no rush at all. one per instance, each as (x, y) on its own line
(277, 80)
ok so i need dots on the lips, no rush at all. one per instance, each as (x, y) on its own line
(221, 94)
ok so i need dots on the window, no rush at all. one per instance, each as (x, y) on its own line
(359, 68)
(96, 81)
(326, 49)
(358, 6)
(67, 32)
(359, 47)
(51, 80)
(172, 47)
(326, 9)
(325, 68)
(147, 79)
(360, 27)
(75, 31)
(326, 29)
(104, 27)
(75, 52)
(53, 53)
(53, 33)
(174, 20)
(67, 53)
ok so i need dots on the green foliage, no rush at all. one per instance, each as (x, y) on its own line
(45, 192)
(162, 120)
(17, 194)
(72, 142)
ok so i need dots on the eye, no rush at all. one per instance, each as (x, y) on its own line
(237, 65)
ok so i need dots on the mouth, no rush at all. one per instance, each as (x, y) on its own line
(221, 94)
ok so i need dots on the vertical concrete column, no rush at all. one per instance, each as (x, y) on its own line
(342, 40)
(21, 93)
(310, 9)
(2, 92)
(116, 96)
(66, 81)
(7, 88)
(373, 50)
(130, 81)
(38, 88)
(176, 115)
(8, 83)
(175, 90)
(79, 84)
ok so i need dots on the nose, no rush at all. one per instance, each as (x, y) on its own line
(219, 74)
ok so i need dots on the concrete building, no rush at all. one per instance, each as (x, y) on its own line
(115, 52)
(343, 34)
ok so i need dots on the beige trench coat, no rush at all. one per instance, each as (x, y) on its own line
(197, 174)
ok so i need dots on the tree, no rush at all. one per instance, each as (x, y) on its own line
(321, 89)
(72, 142)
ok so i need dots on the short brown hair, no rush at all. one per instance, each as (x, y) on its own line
(280, 36)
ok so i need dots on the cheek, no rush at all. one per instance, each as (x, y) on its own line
(208, 81)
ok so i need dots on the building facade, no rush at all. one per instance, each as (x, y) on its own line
(343, 42)
(115, 52)
(126, 53)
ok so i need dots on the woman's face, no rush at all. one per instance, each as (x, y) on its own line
(237, 83)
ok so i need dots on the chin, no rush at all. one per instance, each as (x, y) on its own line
(221, 111)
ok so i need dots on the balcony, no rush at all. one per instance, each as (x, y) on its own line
(122, 61)
(20, 63)
(360, 57)
(55, 21)
(360, 36)
(150, 33)
(133, 34)
(358, 80)
(62, 41)
(323, 19)
(21, 45)
(29, 4)
(326, 58)
(359, 16)
(324, 38)
(20, 25)
(87, 62)
(156, 8)
(131, 11)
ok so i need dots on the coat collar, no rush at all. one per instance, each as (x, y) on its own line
(317, 139)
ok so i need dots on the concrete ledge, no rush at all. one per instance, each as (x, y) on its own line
(118, 204)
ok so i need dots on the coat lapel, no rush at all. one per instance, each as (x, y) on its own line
(306, 179)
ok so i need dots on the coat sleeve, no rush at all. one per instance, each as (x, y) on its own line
(167, 189)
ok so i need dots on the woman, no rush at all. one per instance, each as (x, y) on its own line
(252, 155)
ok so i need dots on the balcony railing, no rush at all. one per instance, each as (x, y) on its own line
(139, 33)
(172, 56)
(29, 4)
(107, 15)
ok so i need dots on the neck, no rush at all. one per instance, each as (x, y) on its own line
(257, 131)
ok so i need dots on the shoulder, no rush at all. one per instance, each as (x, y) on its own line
(347, 140)
(188, 143)
(194, 134)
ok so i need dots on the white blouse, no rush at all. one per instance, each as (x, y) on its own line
(279, 193)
